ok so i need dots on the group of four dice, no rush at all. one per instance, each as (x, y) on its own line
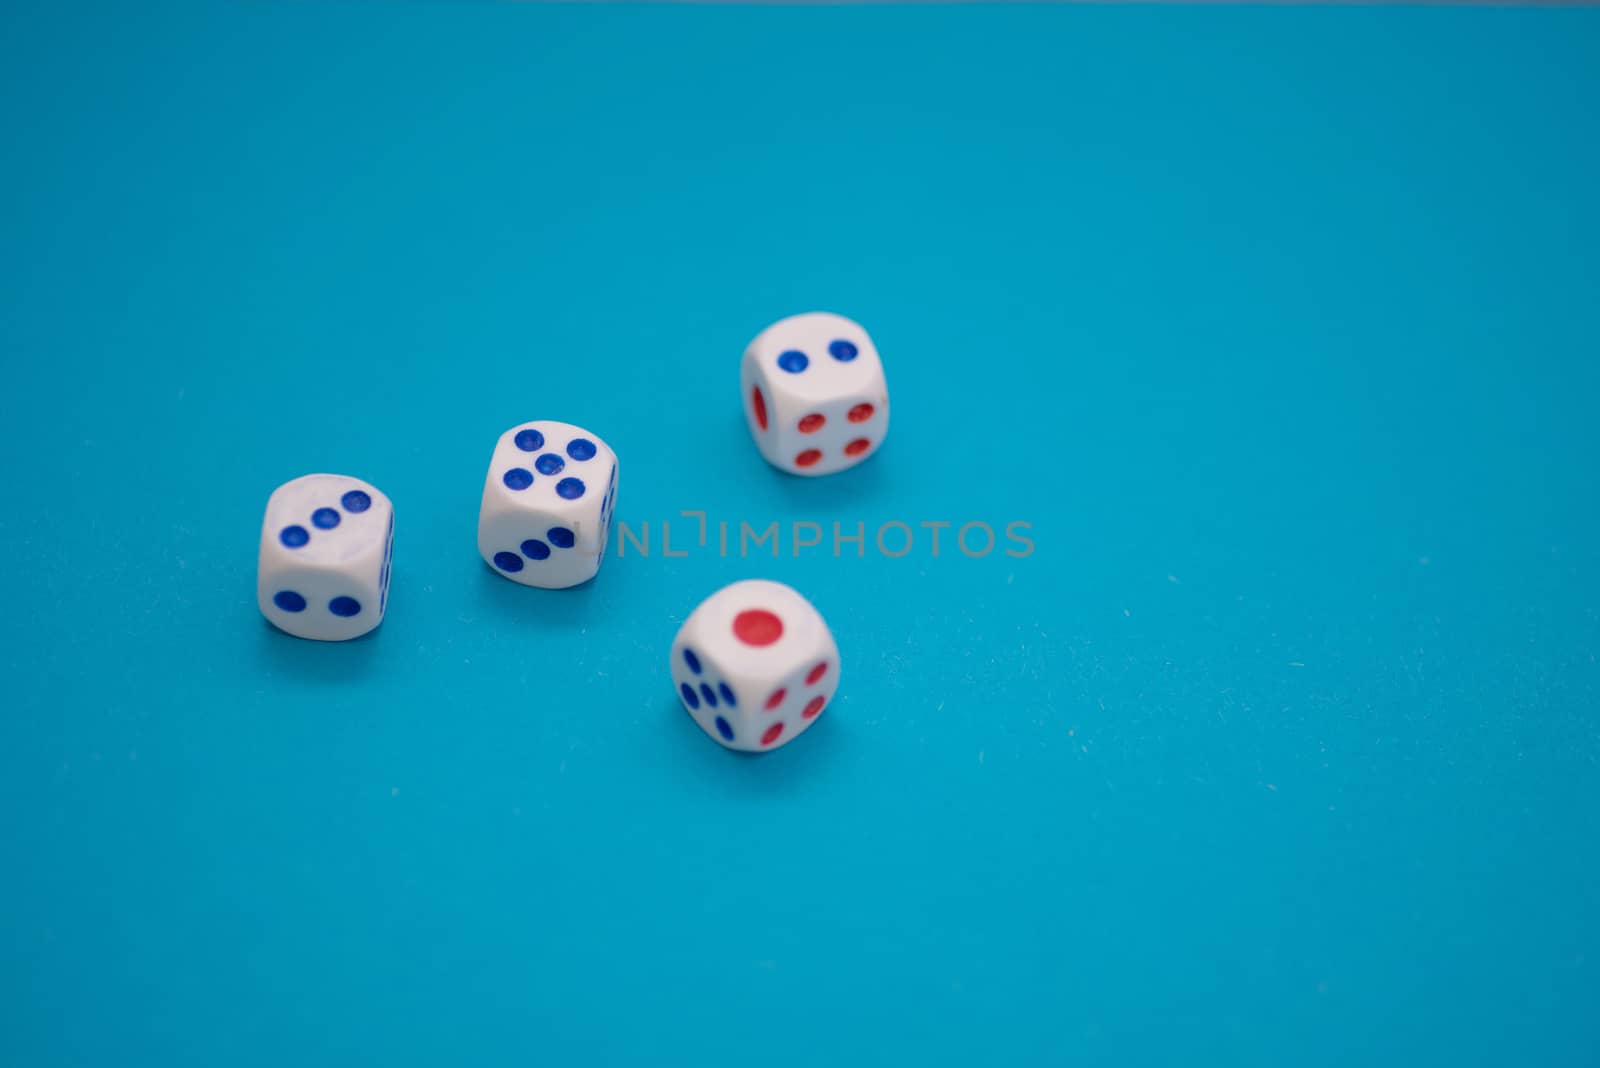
(754, 664)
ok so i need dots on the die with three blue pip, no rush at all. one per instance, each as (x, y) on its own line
(327, 550)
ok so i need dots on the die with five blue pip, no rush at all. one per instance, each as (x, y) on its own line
(547, 505)
(753, 665)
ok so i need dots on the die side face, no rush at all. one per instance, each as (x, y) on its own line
(814, 394)
(547, 504)
(755, 665)
(326, 557)
(386, 572)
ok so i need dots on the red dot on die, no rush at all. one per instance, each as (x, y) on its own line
(810, 424)
(807, 458)
(860, 413)
(758, 405)
(777, 698)
(757, 626)
(772, 734)
(813, 706)
(857, 447)
(816, 673)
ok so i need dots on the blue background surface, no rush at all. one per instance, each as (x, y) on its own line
(1279, 327)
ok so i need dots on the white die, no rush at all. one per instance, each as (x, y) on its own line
(547, 504)
(755, 665)
(327, 546)
(814, 394)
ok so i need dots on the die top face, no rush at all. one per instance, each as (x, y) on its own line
(755, 630)
(551, 466)
(326, 521)
(817, 356)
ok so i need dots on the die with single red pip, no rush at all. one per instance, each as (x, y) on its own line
(755, 665)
